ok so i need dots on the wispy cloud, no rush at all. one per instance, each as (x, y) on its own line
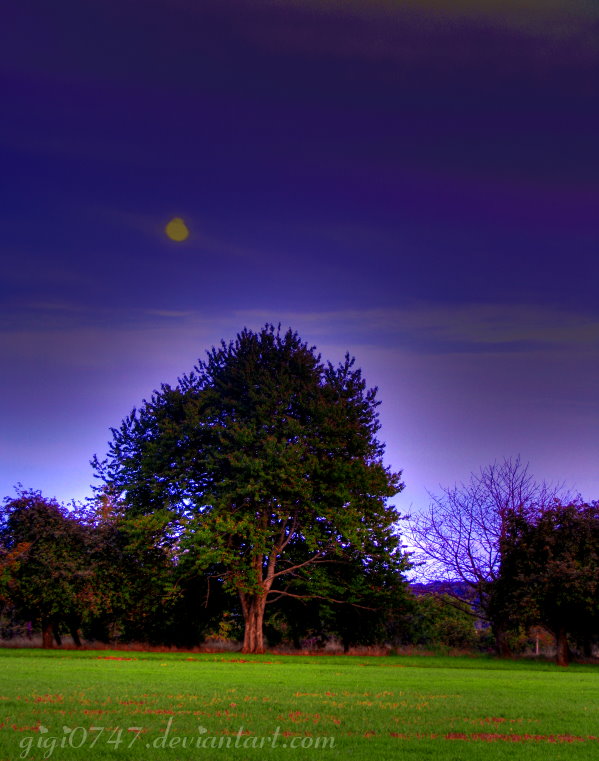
(394, 29)
(476, 327)
(173, 314)
(65, 336)
(554, 17)
(446, 377)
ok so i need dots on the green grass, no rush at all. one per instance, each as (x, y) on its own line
(374, 709)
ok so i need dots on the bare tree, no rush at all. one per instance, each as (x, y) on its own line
(458, 539)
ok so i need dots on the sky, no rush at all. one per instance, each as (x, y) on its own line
(416, 183)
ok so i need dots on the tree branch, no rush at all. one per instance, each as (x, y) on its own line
(281, 593)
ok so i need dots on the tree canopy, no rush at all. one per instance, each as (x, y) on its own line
(44, 573)
(550, 573)
(260, 464)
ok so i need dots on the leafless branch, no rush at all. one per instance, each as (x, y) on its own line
(459, 536)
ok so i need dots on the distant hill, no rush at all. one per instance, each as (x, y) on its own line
(453, 588)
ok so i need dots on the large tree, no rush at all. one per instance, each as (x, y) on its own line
(459, 537)
(261, 463)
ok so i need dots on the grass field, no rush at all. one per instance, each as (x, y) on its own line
(96, 705)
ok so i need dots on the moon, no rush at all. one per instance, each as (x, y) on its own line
(177, 230)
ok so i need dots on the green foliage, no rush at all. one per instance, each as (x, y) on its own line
(133, 595)
(360, 598)
(143, 591)
(44, 570)
(550, 571)
(97, 571)
(460, 536)
(260, 465)
(442, 620)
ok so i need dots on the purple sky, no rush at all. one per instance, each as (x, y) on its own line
(414, 182)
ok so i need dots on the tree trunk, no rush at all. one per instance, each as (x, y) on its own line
(47, 634)
(57, 636)
(587, 647)
(562, 656)
(75, 636)
(253, 615)
(502, 645)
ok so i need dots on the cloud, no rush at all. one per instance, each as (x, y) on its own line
(457, 389)
(396, 29)
(68, 332)
(544, 14)
(471, 327)
(170, 313)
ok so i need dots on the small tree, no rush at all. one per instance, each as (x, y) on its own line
(45, 568)
(260, 452)
(550, 573)
(133, 591)
(460, 536)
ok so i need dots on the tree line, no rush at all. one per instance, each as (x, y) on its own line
(94, 573)
(525, 553)
(251, 499)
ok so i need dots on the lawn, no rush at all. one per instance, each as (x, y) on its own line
(96, 705)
